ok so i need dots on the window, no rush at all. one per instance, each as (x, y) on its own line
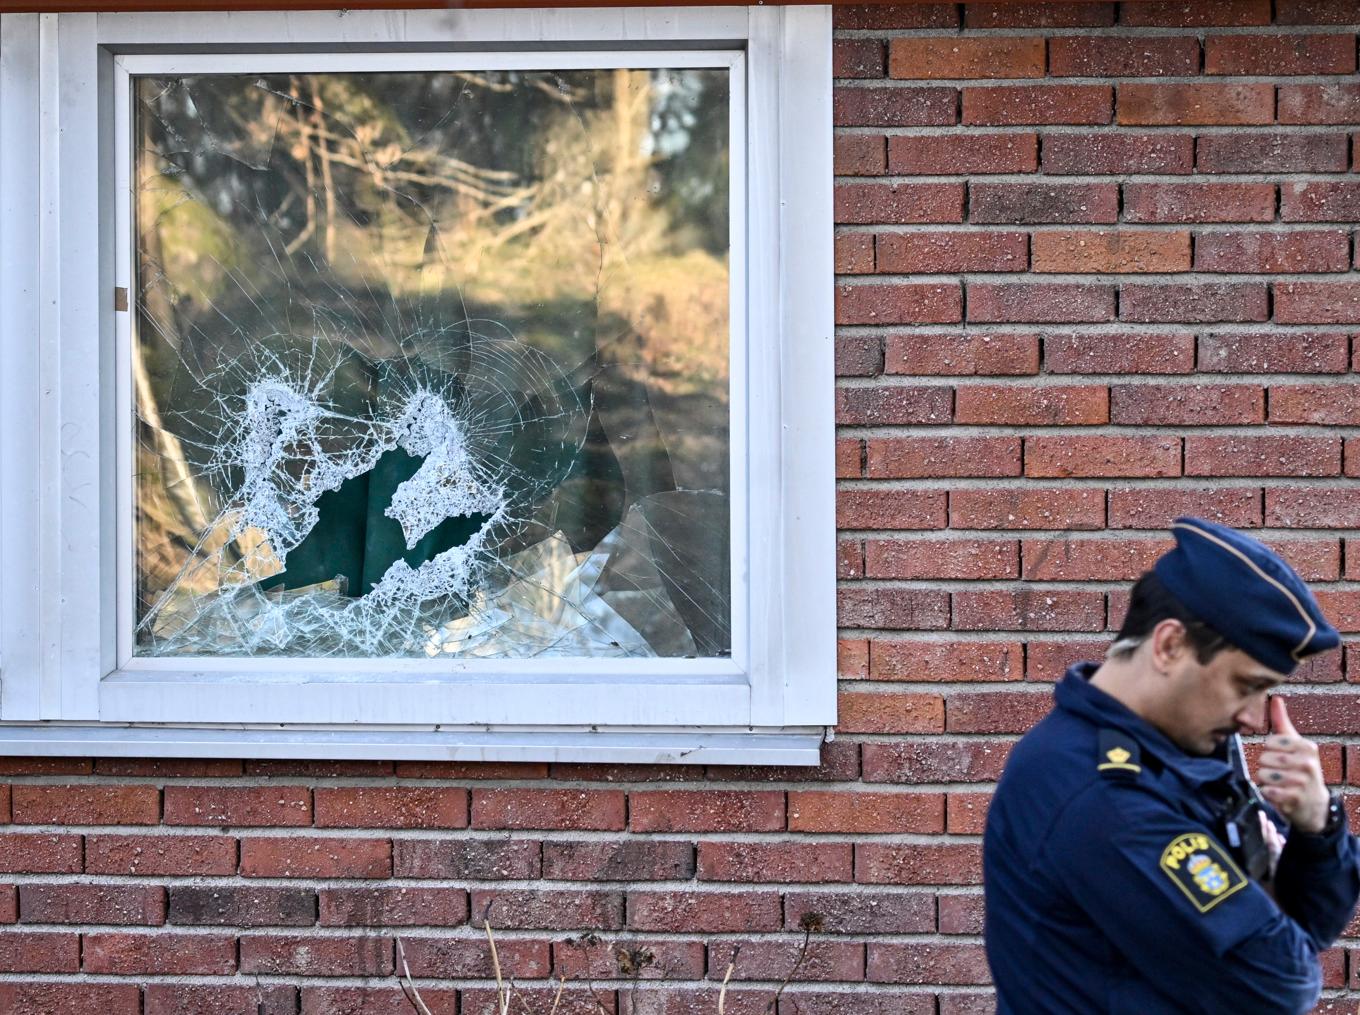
(442, 384)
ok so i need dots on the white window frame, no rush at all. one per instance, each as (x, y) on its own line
(69, 684)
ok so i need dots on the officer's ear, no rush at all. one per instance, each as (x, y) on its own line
(1168, 644)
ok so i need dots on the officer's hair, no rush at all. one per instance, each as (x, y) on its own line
(1149, 604)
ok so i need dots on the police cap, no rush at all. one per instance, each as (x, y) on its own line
(1244, 591)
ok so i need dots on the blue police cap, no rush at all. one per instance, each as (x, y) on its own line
(1244, 591)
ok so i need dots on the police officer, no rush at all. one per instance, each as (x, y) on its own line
(1128, 866)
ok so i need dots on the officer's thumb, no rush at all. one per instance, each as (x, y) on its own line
(1279, 719)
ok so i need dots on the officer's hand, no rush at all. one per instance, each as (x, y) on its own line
(1290, 775)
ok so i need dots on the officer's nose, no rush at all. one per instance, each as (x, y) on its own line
(1251, 718)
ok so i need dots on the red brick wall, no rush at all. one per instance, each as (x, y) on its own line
(1095, 270)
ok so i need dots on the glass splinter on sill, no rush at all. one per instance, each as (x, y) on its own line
(432, 364)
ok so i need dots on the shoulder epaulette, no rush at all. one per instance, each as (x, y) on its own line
(1119, 755)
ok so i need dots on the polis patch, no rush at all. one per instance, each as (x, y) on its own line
(1200, 868)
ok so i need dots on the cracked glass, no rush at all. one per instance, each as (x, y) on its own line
(432, 364)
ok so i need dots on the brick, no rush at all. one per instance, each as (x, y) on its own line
(894, 107)
(1273, 252)
(1317, 302)
(1110, 457)
(1071, 405)
(470, 958)
(971, 154)
(918, 864)
(1110, 251)
(706, 912)
(393, 907)
(1043, 202)
(1321, 201)
(1238, 104)
(852, 658)
(1313, 507)
(1274, 352)
(9, 904)
(854, 253)
(551, 909)
(1199, 14)
(573, 1001)
(865, 813)
(960, 914)
(1262, 456)
(39, 952)
(859, 155)
(1027, 610)
(466, 859)
(159, 954)
(1324, 713)
(60, 999)
(849, 558)
(111, 904)
(40, 853)
(922, 762)
(304, 768)
(1042, 303)
(1057, 560)
(780, 862)
(1313, 12)
(889, 712)
(1199, 202)
(906, 610)
(85, 805)
(294, 857)
(1027, 508)
(951, 252)
(849, 454)
(893, 405)
(1087, 56)
(966, 813)
(821, 961)
(945, 662)
(880, 17)
(960, 559)
(160, 854)
(863, 912)
(390, 807)
(1316, 560)
(857, 58)
(1018, 105)
(184, 998)
(891, 509)
(1187, 404)
(1038, 15)
(996, 711)
(1335, 102)
(241, 906)
(935, 457)
(964, 355)
(1049, 660)
(1239, 152)
(706, 811)
(859, 203)
(859, 355)
(925, 58)
(638, 959)
(1126, 353)
(238, 805)
(557, 809)
(1261, 55)
(926, 963)
(372, 1000)
(1121, 153)
(1320, 404)
(1156, 508)
(352, 955)
(900, 303)
(839, 763)
(1194, 302)
(169, 768)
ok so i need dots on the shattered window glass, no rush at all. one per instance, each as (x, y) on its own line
(432, 364)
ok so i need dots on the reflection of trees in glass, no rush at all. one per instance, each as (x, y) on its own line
(584, 213)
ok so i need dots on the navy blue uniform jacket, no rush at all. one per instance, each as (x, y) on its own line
(1109, 887)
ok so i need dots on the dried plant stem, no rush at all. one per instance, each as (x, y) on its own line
(773, 1006)
(407, 986)
(722, 994)
(502, 991)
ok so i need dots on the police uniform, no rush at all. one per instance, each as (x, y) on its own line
(1110, 882)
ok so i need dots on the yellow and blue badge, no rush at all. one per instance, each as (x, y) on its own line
(1119, 754)
(1201, 869)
